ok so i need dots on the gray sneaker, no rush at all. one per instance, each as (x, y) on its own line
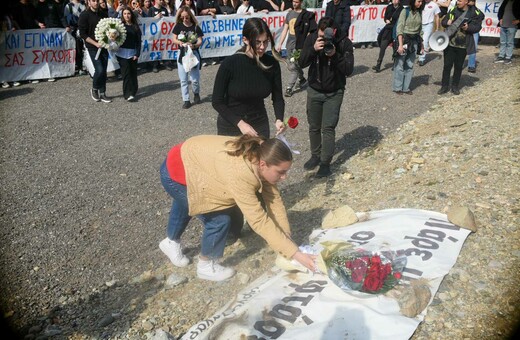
(499, 60)
(508, 61)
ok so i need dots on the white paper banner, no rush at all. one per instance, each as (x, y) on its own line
(284, 305)
(36, 54)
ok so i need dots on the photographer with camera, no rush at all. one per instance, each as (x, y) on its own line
(330, 57)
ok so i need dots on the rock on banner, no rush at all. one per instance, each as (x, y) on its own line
(281, 305)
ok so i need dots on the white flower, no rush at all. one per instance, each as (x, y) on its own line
(181, 37)
(291, 60)
(110, 33)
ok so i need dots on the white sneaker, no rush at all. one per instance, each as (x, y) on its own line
(5, 85)
(130, 99)
(17, 83)
(173, 250)
(36, 81)
(51, 80)
(213, 271)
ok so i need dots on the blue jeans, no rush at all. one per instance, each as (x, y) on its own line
(507, 42)
(194, 76)
(99, 80)
(403, 71)
(427, 30)
(472, 58)
(216, 224)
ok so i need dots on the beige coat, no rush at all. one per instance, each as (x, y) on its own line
(217, 181)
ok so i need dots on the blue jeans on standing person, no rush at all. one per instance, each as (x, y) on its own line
(99, 79)
(194, 77)
(216, 224)
(472, 58)
(427, 32)
(507, 42)
(403, 70)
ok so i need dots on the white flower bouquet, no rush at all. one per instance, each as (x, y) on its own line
(188, 37)
(110, 33)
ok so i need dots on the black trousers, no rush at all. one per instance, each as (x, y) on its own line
(79, 52)
(382, 49)
(129, 73)
(260, 123)
(323, 117)
(453, 58)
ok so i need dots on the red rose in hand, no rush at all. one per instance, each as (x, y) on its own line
(397, 275)
(291, 122)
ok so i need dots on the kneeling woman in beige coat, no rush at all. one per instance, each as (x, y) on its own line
(208, 176)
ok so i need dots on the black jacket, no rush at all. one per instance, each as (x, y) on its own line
(87, 25)
(474, 17)
(516, 10)
(304, 25)
(50, 13)
(340, 14)
(326, 74)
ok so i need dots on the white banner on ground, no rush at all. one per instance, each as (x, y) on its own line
(283, 305)
(36, 54)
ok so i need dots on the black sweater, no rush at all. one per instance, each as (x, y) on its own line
(87, 25)
(133, 39)
(51, 14)
(241, 86)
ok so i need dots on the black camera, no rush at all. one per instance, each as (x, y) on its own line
(328, 39)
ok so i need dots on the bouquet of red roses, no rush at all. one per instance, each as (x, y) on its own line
(365, 271)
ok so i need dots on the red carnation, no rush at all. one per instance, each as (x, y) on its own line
(397, 275)
(291, 122)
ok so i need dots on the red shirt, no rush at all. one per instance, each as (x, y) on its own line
(175, 166)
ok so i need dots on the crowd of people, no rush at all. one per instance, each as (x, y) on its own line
(233, 176)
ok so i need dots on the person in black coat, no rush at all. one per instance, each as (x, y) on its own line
(385, 38)
(330, 60)
(339, 11)
(128, 54)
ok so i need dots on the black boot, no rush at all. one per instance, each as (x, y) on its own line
(377, 68)
(323, 171)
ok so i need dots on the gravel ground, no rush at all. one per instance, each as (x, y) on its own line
(82, 207)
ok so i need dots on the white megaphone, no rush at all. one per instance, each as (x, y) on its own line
(438, 41)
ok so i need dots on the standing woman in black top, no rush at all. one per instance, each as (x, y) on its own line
(243, 80)
(128, 54)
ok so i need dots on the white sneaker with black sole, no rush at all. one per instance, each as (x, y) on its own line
(173, 250)
(211, 270)
(130, 99)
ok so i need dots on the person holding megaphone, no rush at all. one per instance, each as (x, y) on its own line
(468, 21)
